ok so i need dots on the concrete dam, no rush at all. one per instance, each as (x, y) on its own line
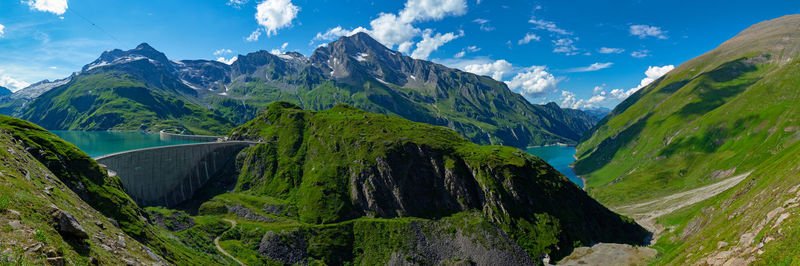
(167, 176)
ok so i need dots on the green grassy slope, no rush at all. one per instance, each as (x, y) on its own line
(343, 163)
(109, 99)
(730, 111)
(723, 112)
(79, 184)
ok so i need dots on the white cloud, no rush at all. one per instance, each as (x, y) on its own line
(592, 67)
(484, 24)
(432, 43)
(12, 84)
(570, 100)
(396, 29)
(237, 3)
(254, 36)
(275, 14)
(528, 38)
(641, 53)
(533, 83)
(471, 48)
(644, 31)
(606, 50)
(548, 26)
(422, 10)
(227, 61)
(283, 46)
(405, 47)
(496, 69)
(652, 73)
(566, 46)
(222, 51)
(2, 30)
(57, 7)
(389, 30)
(338, 31)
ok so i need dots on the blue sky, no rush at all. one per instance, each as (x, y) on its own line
(580, 54)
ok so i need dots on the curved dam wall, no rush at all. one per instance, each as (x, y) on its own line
(167, 176)
(170, 136)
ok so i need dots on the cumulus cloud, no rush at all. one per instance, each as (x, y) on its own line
(592, 67)
(570, 100)
(528, 38)
(496, 69)
(600, 96)
(541, 24)
(535, 82)
(227, 61)
(222, 51)
(396, 29)
(390, 30)
(430, 43)
(652, 73)
(275, 14)
(644, 31)
(12, 84)
(58, 7)
(254, 36)
(640, 53)
(607, 50)
(422, 10)
(2, 30)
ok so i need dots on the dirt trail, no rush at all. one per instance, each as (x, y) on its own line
(216, 242)
(645, 213)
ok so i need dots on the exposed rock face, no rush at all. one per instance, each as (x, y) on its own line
(413, 181)
(289, 248)
(68, 226)
(432, 245)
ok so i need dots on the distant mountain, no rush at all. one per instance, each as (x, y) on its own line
(730, 112)
(599, 112)
(355, 70)
(4, 91)
(14, 104)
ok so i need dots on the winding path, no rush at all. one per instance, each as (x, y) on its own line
(216, 242)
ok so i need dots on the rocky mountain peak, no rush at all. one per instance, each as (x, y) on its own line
(117, 56)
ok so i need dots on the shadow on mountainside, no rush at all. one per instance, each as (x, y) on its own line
(607, 149)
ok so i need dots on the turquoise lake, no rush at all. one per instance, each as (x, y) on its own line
(99, 143)
(560, 157)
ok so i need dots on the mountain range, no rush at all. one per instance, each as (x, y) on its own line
(143, 89)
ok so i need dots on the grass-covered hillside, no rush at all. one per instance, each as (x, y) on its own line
(728, 112)
(103, 99)
(44, 179)
(348, 185)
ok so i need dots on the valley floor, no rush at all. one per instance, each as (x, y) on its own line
(645, 213)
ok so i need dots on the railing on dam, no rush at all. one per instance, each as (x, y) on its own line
(167, 176)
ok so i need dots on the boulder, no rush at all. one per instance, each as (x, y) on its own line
(68, 226)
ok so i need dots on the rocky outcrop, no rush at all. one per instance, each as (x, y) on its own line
(288, 248)
(68, 226)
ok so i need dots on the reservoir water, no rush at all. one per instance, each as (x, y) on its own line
(560, 157)
(99, 143)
